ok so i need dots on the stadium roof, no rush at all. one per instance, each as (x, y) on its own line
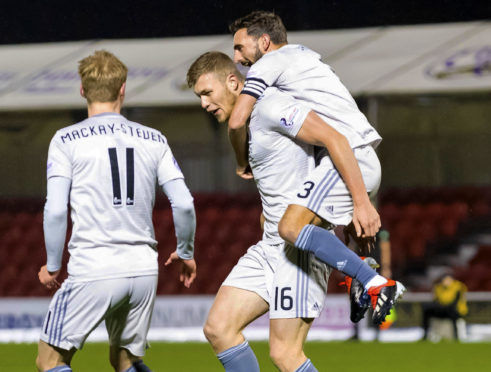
(451, 57)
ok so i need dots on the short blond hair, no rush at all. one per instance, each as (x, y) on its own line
(217, 62)
(102, 75)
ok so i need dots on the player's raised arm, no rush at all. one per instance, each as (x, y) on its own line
(238, 140)
(237, 133)
(315, 131)
(242, 110)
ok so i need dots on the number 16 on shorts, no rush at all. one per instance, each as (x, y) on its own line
(283, 298)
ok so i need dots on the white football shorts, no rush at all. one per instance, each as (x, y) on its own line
(77, 308)
(291, 281)
(325, 193)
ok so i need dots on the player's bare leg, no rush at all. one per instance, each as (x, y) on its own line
(286, 340)
(293, 221)
(50, 357)
(232, 310)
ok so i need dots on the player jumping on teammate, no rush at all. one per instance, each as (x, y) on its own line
(338, 189)
(272, 275)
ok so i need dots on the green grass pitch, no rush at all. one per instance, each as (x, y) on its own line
(327, 356)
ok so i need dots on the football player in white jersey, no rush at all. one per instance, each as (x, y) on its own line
(272, 275)
(107, 168)
(339, 189)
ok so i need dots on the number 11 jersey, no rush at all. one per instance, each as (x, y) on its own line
(114, 165)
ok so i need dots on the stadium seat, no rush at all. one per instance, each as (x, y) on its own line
(448, 226)
(480, 208)
(459, 210)
(390, 214)
(227, 224)
(434, 212)
(416, 248)
(426, 230)
(412, 212)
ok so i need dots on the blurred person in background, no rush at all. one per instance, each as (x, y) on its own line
(107, 168)
(449, 302)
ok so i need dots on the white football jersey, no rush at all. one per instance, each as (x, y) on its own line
(299, 71)
(114, 165)
(279, 162)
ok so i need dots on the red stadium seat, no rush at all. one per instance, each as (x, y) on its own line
(412, 212)
(483, 256)
(448, 226)
(416, 248)
(404, 229)
(434, 212)
(426, 230)
(227, 224)
(458, 210)
(390, 214)
(480, 208)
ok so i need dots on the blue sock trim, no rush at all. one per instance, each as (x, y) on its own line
(303, 237)
(60, 369)
(306, 367)
(329, 249)
(239, 358)
(234, 349)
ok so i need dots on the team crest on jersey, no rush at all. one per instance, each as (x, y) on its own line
(288, 122)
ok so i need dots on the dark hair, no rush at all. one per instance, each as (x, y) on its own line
(216, 62)
(261, 22)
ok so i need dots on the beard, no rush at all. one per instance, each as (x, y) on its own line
(257, 55)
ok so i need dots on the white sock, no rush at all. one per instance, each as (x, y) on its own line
(376, 281)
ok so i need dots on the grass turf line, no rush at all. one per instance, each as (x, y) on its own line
(327, 356)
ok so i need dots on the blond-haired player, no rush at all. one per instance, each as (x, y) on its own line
(107, 168)
(272, 276)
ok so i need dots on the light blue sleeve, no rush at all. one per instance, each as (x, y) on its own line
(55, 220)
(184, 216)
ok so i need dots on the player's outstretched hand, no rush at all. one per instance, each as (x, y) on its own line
(48, 279)
(188, 269)
(366, 220)
(244, 172)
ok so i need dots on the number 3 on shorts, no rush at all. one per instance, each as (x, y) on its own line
(286, 302)
(309, 185)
